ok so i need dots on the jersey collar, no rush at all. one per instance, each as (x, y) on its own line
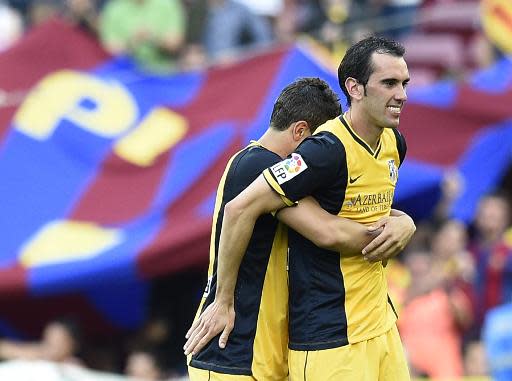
(358, 139)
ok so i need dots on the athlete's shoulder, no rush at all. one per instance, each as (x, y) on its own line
(331, 125)
(337, 129)
(399, 136)
(401, 145)
(323, 153)
(255, 156)
(248, 164)
(323, 143)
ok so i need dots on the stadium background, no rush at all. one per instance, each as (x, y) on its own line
(109, 165)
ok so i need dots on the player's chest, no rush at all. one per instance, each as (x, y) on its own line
(370, 185)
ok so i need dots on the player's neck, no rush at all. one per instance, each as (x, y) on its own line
(363, 127)
(276, 142)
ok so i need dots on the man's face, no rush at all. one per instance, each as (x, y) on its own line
(492, 216)
(385, 91)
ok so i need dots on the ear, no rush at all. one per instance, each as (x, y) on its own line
(300, 130)
(354, 88)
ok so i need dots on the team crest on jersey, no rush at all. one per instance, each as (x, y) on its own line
(393, 170)
(289, 168)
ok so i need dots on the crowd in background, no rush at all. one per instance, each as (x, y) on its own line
(170, 35)
(445, 283)
(450, 276)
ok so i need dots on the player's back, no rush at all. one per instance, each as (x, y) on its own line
(258, 343)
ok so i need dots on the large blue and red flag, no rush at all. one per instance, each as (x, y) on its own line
(108, 174)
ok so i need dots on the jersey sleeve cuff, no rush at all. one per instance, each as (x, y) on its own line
(276, 187)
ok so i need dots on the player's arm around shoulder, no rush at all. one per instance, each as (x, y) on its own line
(378, 242)
(325, 230)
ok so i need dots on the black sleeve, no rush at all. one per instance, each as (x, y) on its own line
(401, 145)
(317, 163)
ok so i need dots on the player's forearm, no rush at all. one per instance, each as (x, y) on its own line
(237, 227)
(338, 234)
(350, 237)
(326, 230)
(240, 215)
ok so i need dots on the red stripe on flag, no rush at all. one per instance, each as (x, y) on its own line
(122, 191)
(451, 130)
(235, 92)
(13, 281)
(184, 239)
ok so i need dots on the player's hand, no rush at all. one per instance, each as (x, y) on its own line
(395, 236)
(216, 318)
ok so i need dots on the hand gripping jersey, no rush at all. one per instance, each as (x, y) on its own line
(257, 345)
(336, 300)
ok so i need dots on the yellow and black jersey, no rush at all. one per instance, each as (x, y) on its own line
(257, 345)
(336, 300)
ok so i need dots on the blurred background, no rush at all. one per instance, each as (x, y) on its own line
(117, 118)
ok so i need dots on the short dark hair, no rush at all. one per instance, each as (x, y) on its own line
(308, 99)
(357, 62)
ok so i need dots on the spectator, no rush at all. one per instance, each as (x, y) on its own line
(400, 17)
(452, 186)
(450, 254)
(152, 31)
(144, 364)
(193, 55)
(280, 14)
(43, 10)
(456, 269)
(83, 13)
(60, 342)
(429, 321)
(309, 16)
(267, 8)
(493, 257)
(333, 30)
(231, 26)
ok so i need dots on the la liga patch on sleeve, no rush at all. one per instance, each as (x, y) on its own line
(288, 168)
